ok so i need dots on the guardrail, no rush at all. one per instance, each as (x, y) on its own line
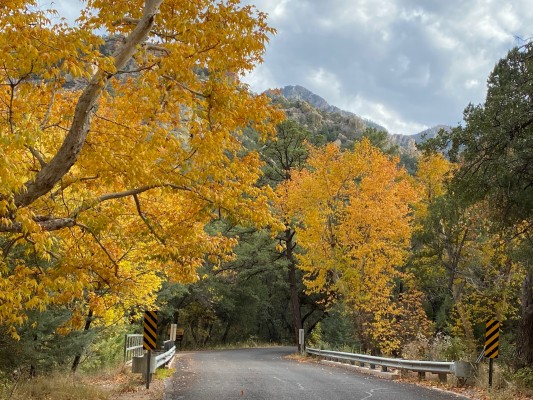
(461, 369)
(133, 347)
(164, 358)
(159, 358)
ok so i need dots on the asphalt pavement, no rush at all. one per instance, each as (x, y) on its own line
(267, 373)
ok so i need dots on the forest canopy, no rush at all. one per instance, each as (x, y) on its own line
(116, 154)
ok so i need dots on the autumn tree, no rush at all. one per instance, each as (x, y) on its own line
(354, 226)
(287, 152)
(494, 149)
(113, 183)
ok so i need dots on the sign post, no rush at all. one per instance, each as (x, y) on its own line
(179, 335)
(301, 341)
(173, 328)
(149, 340)
(492, 342)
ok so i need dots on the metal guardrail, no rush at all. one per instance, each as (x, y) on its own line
(164, 358)
(460, 369)
(157, 360)
(133, 347)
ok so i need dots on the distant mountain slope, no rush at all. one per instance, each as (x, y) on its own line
(403, 140)
(300, 93)
(336, 125)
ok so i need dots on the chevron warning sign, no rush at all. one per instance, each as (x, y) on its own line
(492, 338)
(150, 330)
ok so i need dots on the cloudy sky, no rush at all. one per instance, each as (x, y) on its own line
(405, 64)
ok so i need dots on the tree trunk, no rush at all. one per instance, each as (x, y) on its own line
(74, 140)
(525, 349)
(295, 299)
(466, 325)
(209, 330)
(77, 358)
(226, 332)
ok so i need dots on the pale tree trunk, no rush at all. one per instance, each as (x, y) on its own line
(71, 147)
(466, 325)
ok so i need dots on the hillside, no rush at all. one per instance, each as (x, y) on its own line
(337, 125)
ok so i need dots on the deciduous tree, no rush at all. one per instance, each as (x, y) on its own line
(354, 226)
(114, 182)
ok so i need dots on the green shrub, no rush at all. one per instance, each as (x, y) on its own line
(524, 377)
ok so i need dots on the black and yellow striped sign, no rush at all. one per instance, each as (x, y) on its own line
(492, 338)
(150, 330)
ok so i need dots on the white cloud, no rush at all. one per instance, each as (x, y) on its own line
(323, 81)
(261, 79)
(471, 83)
(381, 114)
(416, 63)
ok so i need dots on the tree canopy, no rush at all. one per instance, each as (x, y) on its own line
(106, 187)
(494, 150)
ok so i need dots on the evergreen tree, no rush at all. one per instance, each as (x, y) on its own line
(494, 148)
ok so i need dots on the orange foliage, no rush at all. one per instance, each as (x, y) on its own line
(107, 190)
(354, 215)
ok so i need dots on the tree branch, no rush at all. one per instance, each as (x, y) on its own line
(145, 220)
(50, 223)
(37, 155)
(53, 224)
(100, 244)
(68, 153)
(110, 196)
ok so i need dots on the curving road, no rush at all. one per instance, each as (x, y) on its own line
(265, 373)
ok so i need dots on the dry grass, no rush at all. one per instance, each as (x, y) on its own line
(57, 387)
(116, 384)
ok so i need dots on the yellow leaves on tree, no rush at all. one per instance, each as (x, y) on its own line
(354, 225)
(432, 175)
(114, 158)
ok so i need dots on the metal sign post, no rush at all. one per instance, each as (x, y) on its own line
(301, 341)
(148, 367)
(492, 343)
(149, 340)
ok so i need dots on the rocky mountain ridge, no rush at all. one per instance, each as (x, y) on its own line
(300, 94)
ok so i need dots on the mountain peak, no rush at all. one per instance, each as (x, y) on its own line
(300, 93)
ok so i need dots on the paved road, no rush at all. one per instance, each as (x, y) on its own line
(264, 374)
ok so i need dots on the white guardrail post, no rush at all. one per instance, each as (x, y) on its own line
(461, 369)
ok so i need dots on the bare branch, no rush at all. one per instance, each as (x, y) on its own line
(127, 21)
(66, 185)
(185, 87)
(6, 248)
(52, 224)
(51, 253)
(46, 118)
(153, 47)
(37, 155)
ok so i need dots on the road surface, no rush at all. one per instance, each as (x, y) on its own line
(266, 373)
